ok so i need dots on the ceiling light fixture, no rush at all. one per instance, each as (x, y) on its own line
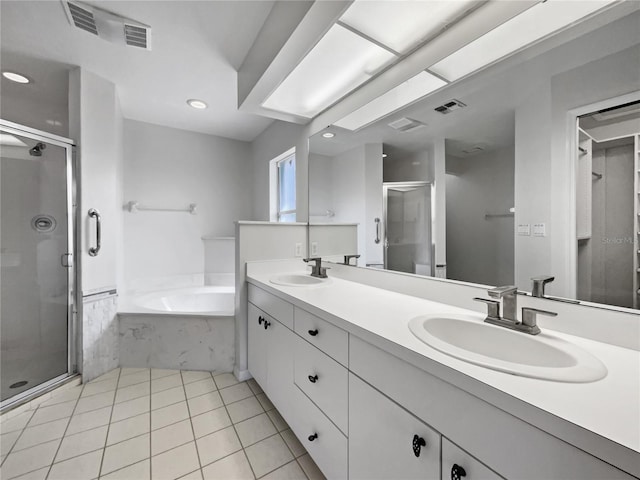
(532, 25)
(328, 134)
(396, 98)
(340, 62)
(195, 103)
(384, 155)
(401, 26)
(15, 77)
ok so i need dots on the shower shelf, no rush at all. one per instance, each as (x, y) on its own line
(135, 207)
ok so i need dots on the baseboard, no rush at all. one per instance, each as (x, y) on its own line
(241, 375)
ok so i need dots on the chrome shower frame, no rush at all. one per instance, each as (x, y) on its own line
(72, 271)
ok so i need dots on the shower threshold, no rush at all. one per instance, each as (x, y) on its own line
(38, 393)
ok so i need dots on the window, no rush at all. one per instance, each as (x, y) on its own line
(283, 187)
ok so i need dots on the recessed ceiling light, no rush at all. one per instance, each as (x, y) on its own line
(199, 104)
(15, 77)
(328, 134)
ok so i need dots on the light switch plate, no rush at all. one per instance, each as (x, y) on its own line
(524, 229)
(314, 249)
(539, 230)
(298, 250)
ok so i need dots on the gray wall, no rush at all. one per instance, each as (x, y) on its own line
(480, 250)
(170, 168)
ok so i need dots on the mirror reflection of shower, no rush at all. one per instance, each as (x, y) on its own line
(608, 196)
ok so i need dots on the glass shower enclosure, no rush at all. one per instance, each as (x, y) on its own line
(37, 276)
(408, 225)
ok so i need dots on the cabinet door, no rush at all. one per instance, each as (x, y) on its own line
(458, 464)
(257, 344)
(385, 441)
(279, 365)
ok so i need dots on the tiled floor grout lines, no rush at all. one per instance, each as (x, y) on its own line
(65, 429)
(123, 393)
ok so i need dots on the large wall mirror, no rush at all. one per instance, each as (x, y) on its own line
(526, 168)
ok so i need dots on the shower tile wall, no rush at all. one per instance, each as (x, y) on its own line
(100, 344)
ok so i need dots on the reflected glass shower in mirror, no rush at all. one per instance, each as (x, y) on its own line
(507, 194)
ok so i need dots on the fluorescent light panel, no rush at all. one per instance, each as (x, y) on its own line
(340, 62)
(403, 25)
(533, 24)
(405, 93)
(10, 140)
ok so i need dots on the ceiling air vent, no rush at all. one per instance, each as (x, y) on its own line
(137, 36)
(107, 25)
(406, 125)
(82, 18)
(450, 106)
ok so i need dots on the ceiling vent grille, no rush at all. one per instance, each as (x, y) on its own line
(137, 36)
(107, 25)
(406, 125)
(83, 18)
(450, 106)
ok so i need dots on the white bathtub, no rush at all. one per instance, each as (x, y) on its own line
(207, 301)
(183, 328)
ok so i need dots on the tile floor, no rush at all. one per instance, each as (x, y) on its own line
(140, 423)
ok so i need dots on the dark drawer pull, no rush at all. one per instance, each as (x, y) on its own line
(260, 320)
(417, 444)
(313, 333)
(266, 324)
(313, 378)
(457, 472)
(313, 437)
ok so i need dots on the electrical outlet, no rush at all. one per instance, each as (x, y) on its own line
(314, 249)
(298, 250)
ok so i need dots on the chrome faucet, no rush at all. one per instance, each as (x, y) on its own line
(509, 304)
(317, 270)
(539, 283)
(347, 258)
(509, 301)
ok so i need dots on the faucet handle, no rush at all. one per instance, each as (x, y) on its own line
(499, 292)
(493, 307)
(347, 258)
(538, 285)
(529, 321)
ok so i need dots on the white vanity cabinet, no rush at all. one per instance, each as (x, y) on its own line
(386, 441)
(364, 413)
(457, 463)
(271, 343)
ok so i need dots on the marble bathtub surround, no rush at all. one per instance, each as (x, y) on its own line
(141, 423)
(177, 342)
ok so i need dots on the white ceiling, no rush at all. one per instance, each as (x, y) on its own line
(198, 46)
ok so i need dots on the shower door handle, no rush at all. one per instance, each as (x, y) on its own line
(377, 220)
(93, 251)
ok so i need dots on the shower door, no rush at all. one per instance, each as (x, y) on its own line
(36, 242)
(407, 214)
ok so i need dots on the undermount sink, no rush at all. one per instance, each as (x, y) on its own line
(298, 280)
(542, 356)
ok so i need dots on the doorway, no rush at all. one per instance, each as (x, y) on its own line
(407, 226)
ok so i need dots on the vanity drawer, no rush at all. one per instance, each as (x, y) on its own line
(454, 458)
(324, 442)
(327, 337)
(324, 380)
(274, 306)
(385, 441)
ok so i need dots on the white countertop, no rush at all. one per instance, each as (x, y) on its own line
(606, 412)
